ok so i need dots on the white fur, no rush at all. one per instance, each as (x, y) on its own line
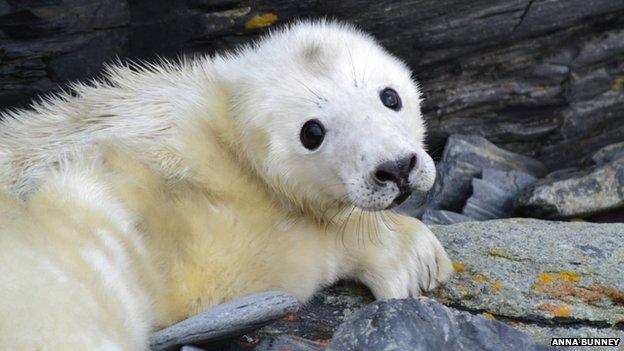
(162, 189)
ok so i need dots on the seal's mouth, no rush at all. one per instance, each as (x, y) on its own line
(400, 198)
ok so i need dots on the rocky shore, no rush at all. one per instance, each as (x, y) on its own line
(518, 283)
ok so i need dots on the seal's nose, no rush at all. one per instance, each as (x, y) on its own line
(396, 171)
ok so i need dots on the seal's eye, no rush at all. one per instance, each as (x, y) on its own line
(312, 134)
(390, 99)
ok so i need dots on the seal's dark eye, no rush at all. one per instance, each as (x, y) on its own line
(390, 99)
(312, 134)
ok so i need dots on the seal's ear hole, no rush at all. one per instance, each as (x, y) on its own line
(312, 51)
(315, 56)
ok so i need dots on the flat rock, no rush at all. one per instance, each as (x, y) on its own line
(423, 324)
(575, 194)
(464, 158)
(227, 320)
(551, 273)
(544, 334)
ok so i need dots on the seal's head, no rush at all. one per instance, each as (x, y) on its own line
(327, 116)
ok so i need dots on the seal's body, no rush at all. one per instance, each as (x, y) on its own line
(145, 197)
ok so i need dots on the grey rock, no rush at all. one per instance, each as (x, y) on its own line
(608, 153)
(191, 348)
(317, 319)
(544, 333)
(576, 193)
(464, 158)
(534, 270)
(443, 217)
(290, 343)
(493, 195)
(423, 324)
(229, 319)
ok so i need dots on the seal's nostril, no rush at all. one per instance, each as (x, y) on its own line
(412, 163)
(397, 171)
(385, 176)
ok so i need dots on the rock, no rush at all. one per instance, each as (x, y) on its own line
(575, 194)
(611, 216)
(191, 348)
(493, 195)
(289, 343)
(544, 334)
(535, 271)
(423, 324)
(317, 319)
(443, 217)
(464, 158)
(227, 320)
(608, 153)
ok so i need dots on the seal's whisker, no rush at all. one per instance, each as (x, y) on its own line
(352, 64)
(315, 93)
(343, 226)
(365, 71)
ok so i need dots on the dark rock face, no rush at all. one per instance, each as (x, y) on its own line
(423, 324)
(541, 78)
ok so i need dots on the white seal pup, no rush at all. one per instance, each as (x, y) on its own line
(142, 198)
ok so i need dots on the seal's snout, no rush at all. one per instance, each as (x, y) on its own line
(396, 171)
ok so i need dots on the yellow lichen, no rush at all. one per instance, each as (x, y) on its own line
(561, 310)
(548, 278)
(459, 268)
(479, 278)
(488, 315)
(618, 84)
(571, 276)
(545, 278)
(496, 286)
(261, 21)
(576, 219)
